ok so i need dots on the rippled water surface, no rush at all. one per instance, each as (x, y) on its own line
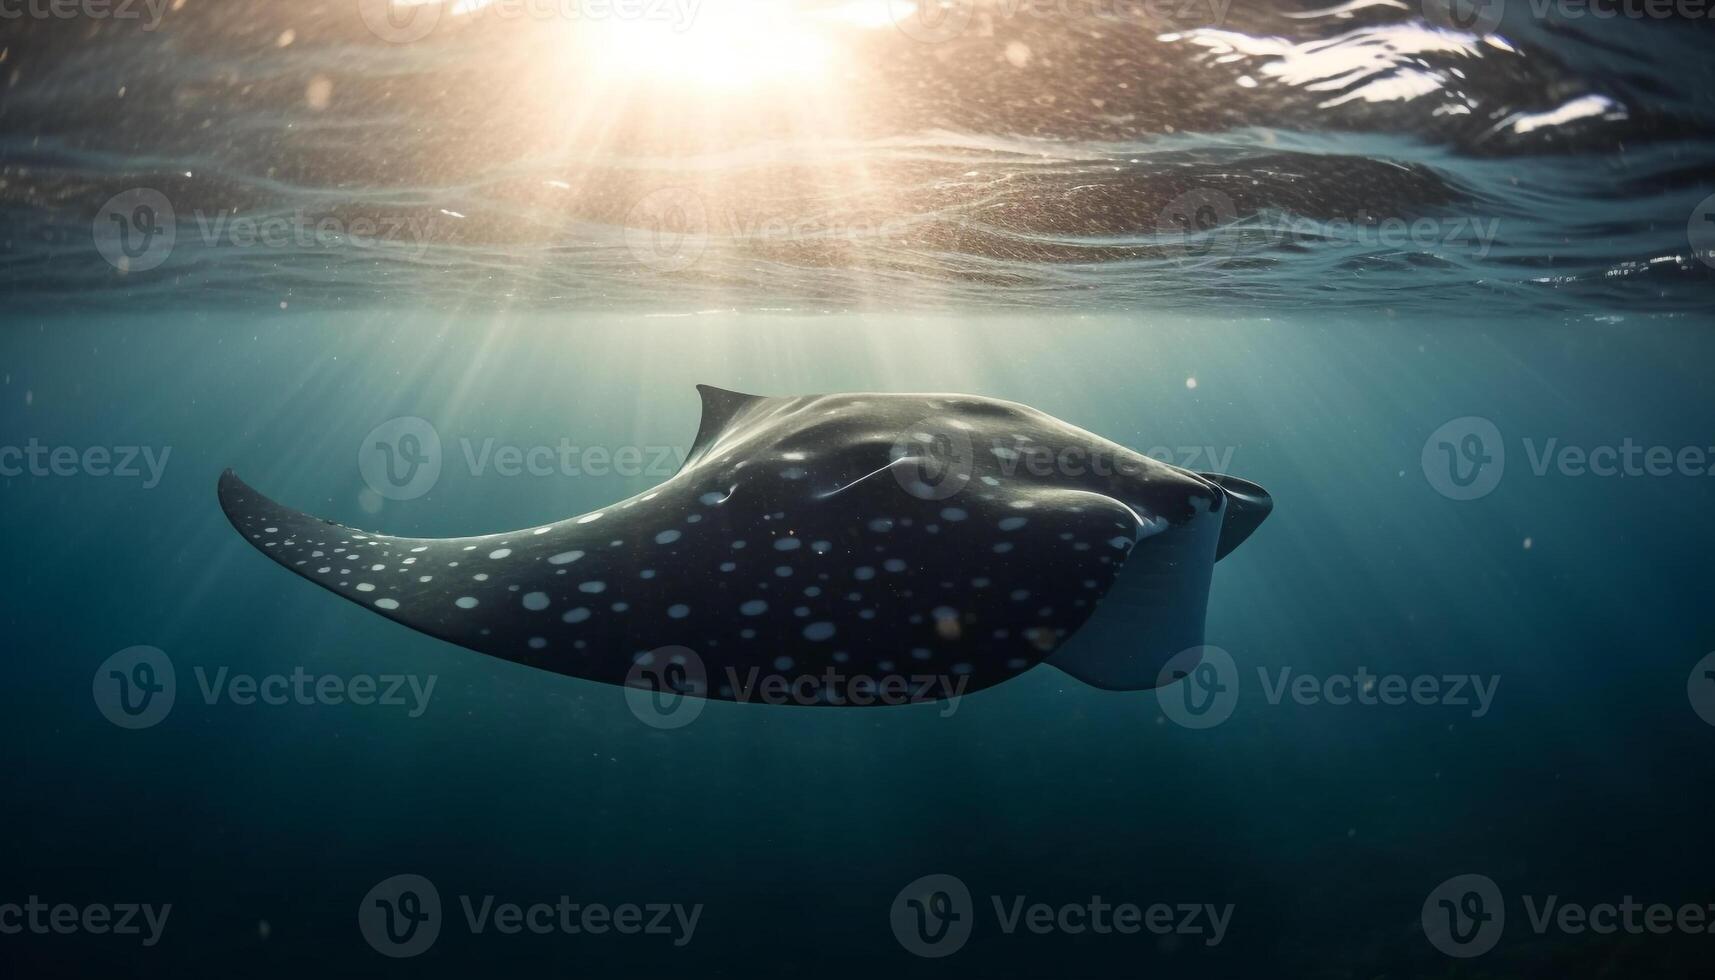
(760, 156)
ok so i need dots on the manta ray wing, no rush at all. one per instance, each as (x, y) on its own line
(798, 541)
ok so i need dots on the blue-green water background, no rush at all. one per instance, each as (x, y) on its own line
(1325, 826)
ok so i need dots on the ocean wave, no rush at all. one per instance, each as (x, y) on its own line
(977, 155)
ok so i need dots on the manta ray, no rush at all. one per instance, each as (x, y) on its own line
(824, 536)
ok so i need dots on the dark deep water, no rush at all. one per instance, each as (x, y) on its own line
(1222, 273)
(1324, 826)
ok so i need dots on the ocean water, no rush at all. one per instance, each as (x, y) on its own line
(1442, 286)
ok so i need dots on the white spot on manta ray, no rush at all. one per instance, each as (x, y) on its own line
(365, 587)
(667, 537)
(565, 557)
(588, 518)
(577, 615)
(754, 607)
(819, 631)
(465, 602)
(787, 544)
(535, 601)
(387, 604)
(678, 611)
(500, 553)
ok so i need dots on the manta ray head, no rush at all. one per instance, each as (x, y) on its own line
(972, 453)
(1183, 522)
